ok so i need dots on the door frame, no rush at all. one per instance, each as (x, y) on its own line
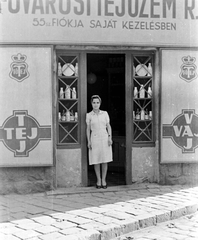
(128, 112)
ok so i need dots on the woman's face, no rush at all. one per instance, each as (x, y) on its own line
(96, 104)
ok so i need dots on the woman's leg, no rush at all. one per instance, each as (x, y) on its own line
(98, 176)
(104, 173)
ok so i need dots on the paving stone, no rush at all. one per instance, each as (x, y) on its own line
(46, 229)
(22, 221)
(91, 235)
(51, 236)
(29, 226)
(110, 231)
(98, 210)
(9, 237)
(177, 212)
(106, 220)
(6, 225)
(71, 231)
(117, 215)
(10, 230)
(146, 220)
(91, 225)
(64, 225)
(44, 220)
(80, 220)
(26, 234)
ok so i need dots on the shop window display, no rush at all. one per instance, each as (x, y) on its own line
(142, 83)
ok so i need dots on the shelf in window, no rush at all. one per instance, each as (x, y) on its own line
(68, 121)
(146, 77)
(142, 98)
(68, 99)
(66, 77)
(139, 120)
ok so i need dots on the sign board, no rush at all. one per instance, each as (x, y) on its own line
(25, 106)
(179, 106)
(115, 22)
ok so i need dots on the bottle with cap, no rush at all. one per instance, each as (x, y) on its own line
(68, 116)
(61, 93)
(149, 92)
(67, 92)
(135, 93)
(142, 92)
(59, 69)
(149, 70)
(76, 116)
(59, 116)
(71, 115)
(73, 93)
(150, 115)
(142, 114)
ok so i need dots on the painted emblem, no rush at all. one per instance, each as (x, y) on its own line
(183, 131)
(21, 133)
(19, 68)
(188, 69)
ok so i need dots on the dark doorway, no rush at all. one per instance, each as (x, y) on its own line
(106, 77)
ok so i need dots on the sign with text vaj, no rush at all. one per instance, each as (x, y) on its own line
(25, 107)
(139, 22)
(179, 106)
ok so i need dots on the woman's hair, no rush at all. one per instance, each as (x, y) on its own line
(96, 96)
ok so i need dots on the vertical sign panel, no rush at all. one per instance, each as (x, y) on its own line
(25, 106)
(179, 106)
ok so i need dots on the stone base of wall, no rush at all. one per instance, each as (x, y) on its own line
(145, 166)
(26, 180)
(68, 167)
(185, 174)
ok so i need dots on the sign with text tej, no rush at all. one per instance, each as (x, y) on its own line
(179, 106)
(25, 106)
(139, 22)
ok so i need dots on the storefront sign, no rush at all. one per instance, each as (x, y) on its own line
(26, 107)
(21, 133)
(141, 22)
(179, 108)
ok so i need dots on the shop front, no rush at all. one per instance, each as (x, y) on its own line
(134, 54)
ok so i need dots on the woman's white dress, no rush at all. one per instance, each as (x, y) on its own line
(100, 152)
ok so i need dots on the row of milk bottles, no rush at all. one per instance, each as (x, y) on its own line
(68, 116)
(142, 92)
(142, 115)
(68, 93)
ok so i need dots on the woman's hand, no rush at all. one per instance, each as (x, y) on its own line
(89, 145)
(110, 142)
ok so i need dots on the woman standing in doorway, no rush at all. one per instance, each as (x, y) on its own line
(99, 137)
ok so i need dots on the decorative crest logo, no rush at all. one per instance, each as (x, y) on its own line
(183, 131)
(21, 133)
(188, 69)
(19, 68)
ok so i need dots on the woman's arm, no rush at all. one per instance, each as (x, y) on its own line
(109, 131)
(89, 136)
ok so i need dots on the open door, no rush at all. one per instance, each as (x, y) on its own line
(106, 77)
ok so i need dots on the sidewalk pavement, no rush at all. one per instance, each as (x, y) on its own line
(92, 214)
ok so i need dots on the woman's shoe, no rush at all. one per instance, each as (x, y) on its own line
(104, 186)
(98, 186)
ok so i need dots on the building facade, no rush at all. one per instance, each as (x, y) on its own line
(140, 56)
